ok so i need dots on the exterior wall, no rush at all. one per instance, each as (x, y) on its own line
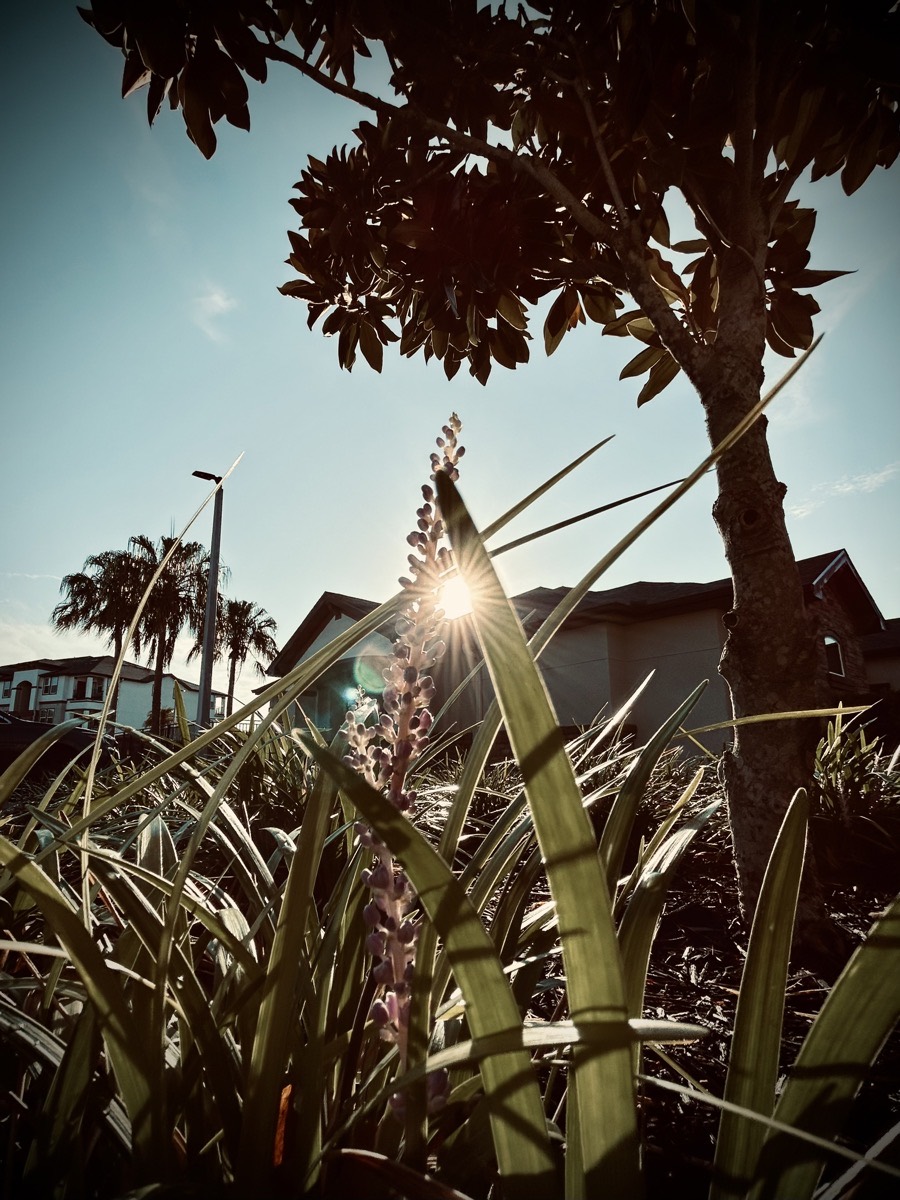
(830, 618)
(576, 670)
(84, 693)
(29, 699)
(594, 669)
(883, 671)
(328, 634)
(326, 702)
(681, 650)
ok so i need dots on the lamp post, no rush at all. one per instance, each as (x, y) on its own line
(209, 623)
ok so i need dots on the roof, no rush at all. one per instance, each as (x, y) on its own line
(330, 606)
(102, 665)
(82, 665)
(883, 641)
(639, 601)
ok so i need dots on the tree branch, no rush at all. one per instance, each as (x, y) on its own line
(627, 243)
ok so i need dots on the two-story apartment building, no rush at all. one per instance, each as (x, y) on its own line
(50, 690)
(611, 642)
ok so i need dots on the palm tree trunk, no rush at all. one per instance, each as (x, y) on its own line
(156, 704)
(232, 675)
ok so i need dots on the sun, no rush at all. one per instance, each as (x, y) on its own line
(455, 598)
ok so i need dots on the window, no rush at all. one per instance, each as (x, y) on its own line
(45, 715)
(49, 685)
(5, 689)
(80, 689)
(833, 655)
(96, 688)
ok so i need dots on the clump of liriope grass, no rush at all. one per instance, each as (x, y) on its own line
(384, 751)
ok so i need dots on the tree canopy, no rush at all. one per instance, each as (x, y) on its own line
(531, 153)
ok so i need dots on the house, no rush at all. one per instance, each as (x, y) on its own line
(611, 642)
(50, 690)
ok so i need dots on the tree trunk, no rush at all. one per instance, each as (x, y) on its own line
(156, 703)
(771, 661)
(232, 675)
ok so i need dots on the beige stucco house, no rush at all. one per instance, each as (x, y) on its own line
(610, 644)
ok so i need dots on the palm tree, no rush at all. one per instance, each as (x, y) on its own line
(102, 598)
(174, 602)
(242, 629)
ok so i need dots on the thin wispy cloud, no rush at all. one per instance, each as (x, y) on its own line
(208, 308)
(847, 485)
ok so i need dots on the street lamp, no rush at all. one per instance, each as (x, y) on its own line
(209, 624)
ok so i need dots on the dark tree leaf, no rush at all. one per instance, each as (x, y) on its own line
(660, 377)
(371, 347)
(808, 279)
(691, 246)
(135, 75)
(862, 158)
(643, 329)
(642, 362)
(619, 327)
(776, 343)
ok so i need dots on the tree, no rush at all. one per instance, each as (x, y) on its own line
(530, 154)
(242, 628)
(176, 601)
(102, 598)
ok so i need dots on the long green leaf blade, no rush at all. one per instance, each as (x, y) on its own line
(855, 1021)
(756, 1043)
(605, 1090)
(517, 1118)
(124, 1042)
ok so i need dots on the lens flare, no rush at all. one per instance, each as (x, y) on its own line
(456, 599)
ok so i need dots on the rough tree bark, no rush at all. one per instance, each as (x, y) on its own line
(772, 661)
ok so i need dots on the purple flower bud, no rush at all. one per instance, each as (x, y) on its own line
(379, 1014)
(408, 932)
(375, 943)
(372, 915)
(383, 972)
(379, 879)
(397, 1105)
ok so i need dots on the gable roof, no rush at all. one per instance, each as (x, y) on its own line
(330, 606)
(643, 601)
(639, 601)
(84, 664)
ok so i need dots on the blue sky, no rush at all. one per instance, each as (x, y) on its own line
(143, 337)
